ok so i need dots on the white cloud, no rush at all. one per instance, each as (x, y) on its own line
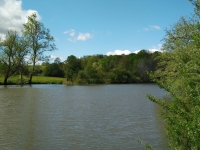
(137, 51)
(153, 50)
(84, 36)
(79, 37)
(71, 32)
(146, 29)
(119, 52)
(156, 48)
(127, 52)
(12, 16)
(52, 58)
(154, 27)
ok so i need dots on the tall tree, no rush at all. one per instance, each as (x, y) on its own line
(12, 54)
(7, 55)
(40, 40)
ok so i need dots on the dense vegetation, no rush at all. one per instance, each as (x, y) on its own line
(179, 74)
(130, 68)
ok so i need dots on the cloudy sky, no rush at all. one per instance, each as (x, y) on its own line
(89, 27)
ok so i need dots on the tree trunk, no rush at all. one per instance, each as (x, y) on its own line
(33, 69)
(21, 77)
(30, 79)
(5, 80)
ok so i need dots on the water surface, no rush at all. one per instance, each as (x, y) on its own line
(79, 117)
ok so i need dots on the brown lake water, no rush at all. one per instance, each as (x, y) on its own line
(59, 117)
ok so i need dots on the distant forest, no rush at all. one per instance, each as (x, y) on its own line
(95, 69)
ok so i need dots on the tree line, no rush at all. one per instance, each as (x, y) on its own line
(97, 69)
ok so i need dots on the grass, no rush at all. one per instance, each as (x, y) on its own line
(47, 80)
(35, 80)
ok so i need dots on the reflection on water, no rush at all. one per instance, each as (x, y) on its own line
(79, 117)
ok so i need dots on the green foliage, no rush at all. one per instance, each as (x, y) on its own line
(131, 68)
(71, 67)
(179, 75)
(12, 55)
(53, 70)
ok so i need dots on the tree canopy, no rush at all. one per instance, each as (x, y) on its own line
(130, 68)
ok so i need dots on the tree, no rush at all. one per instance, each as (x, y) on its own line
(57, 60)
(40, 41)
(123, 63)
(8, 52)
(90, 69)
(71, 66)
(13, 52)
(55, 69)
(144, 66)
(22, 49)
(179, 75)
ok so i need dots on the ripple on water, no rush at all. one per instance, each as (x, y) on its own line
(79, 117)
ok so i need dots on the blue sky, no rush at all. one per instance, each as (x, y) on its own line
(89, 27)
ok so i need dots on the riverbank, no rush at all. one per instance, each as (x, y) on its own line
(15, 80)
(36, 80)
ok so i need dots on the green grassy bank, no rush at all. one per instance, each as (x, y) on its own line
(36, 80)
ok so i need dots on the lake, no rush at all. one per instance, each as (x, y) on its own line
(44, 117)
